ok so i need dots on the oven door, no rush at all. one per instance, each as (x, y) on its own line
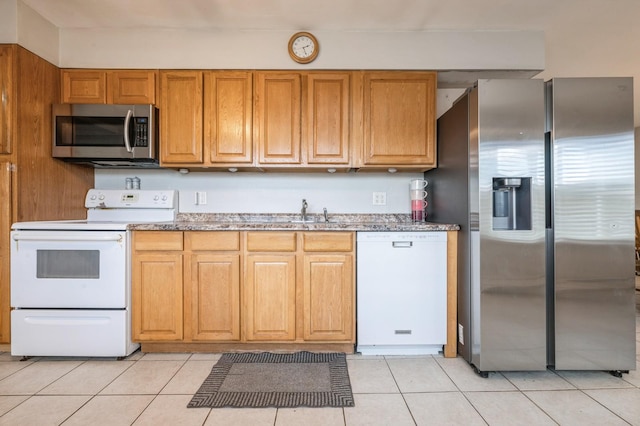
(69, 269)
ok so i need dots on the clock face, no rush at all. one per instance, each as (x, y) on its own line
(303, 47)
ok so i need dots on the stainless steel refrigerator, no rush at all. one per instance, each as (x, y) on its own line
(540, 176)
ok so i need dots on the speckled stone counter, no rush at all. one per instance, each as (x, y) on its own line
(292, 222)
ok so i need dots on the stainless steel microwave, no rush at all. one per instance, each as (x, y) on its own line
(108, 136)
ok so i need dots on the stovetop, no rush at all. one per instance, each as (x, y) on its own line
(113, 210)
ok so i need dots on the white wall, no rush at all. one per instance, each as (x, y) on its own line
(215, 49)
(21, 24)
(8, 21)
(273, 192)
(37, 34)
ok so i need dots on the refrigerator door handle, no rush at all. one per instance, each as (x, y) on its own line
(548, 151)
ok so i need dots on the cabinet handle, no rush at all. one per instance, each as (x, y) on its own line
(402, 244)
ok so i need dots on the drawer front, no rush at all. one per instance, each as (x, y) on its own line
(271, 241)
(327, 241)
(157, 240)
(213, 240)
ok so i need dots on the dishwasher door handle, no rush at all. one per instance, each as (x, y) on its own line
(402, 244)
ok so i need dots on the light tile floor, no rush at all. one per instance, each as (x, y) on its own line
(154, 389)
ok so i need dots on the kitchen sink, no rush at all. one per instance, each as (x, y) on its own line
(287, 220)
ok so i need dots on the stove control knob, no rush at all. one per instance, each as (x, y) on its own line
(164, 198)
(93, 197)
(101, 197)
(156, 198)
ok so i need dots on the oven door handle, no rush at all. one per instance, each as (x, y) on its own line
(36, 237)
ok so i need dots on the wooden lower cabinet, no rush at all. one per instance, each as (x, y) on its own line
(270, 297)
(248, 288)
(328, 297)
(156, 292)
(5, 251)
(212, 308)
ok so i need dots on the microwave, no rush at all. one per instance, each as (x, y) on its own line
(107, 136)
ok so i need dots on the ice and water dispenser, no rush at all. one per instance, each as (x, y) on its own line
(511, 203)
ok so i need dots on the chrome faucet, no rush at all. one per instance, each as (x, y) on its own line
(326, 215)
(303, 212)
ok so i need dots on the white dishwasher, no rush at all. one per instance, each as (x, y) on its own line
(401, 292)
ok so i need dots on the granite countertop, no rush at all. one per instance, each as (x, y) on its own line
(292, 222)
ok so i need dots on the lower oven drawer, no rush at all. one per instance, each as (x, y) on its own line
(99, 333)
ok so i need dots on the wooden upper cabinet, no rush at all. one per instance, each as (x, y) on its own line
(228, 120)
(181, 112)
(327, 121)
(110, 87)
(7, 102)
(131, 87)
(399, 119)
(84, 87)
(277, 117)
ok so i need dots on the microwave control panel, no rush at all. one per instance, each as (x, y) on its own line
(141, 129)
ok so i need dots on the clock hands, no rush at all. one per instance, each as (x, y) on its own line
(303, 47)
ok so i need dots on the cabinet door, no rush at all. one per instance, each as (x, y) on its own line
(277, 117)
(131, 87)
(270, 297)
(215, 297)
(157, 296)
(328, 287)
(228, 125)
(399, 118)
(181, 117)
(7, 101)
(327, 120)
(156, 286)
(84, 87)
(5, 252)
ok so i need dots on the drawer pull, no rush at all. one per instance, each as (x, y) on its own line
(402, 244)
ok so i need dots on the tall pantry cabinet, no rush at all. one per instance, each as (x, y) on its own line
(33, 185)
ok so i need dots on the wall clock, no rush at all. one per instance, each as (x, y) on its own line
(303, 47)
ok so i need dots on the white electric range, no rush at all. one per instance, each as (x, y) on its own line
(71, 279)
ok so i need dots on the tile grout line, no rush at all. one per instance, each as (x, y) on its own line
(386, 361)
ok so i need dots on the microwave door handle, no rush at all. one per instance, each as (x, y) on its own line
(127, 121)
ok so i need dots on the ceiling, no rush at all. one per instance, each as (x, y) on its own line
(351, 15)
(582, 37)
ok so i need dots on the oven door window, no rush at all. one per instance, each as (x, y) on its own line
(70, 264)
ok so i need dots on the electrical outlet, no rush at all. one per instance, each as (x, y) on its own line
(379, 198)
(461, 334)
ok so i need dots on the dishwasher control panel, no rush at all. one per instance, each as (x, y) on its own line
(429, 236)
